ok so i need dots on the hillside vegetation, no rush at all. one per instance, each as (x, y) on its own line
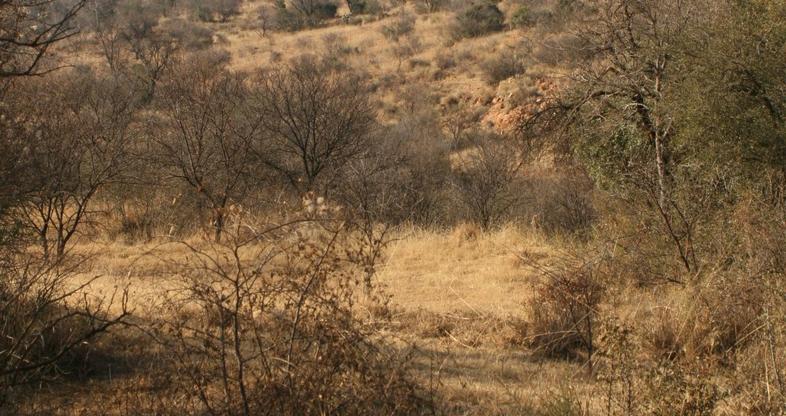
(459, 207)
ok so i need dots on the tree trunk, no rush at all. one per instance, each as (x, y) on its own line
(218, 223)
(660, 162)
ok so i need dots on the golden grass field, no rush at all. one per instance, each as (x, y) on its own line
(462, 303)
(458, 297)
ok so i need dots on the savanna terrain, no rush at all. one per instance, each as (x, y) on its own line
(458, 207)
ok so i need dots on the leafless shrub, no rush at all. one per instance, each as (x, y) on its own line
(561, 49)
(141, 213)
(399, 31)
(264, 324)
(77, 130)
(216, 10)
(619, 368)
(459, 119)
(373, 195)
(46, 320)
(485, 178)
(501, 66)
(134, 45)
(564, 312)
(205, 136)
(30, 28)
(336, 51)
(559, 203)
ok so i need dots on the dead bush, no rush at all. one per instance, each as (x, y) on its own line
(559, 203)
(485, 179)
(501, 66)
(216, 10)
(561, 49)
(564, 312)
(265, 324)
(634, 386)
(46, 323)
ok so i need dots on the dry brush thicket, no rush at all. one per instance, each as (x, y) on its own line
(547, 207)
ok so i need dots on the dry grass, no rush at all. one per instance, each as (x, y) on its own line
(458, 295)
(457, 271)
(460, 270)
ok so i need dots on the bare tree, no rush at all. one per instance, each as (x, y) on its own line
(77, 132)
(27, 32)
(400, 32)
(485, 179)
(204, 135)
(458, 120)
(28, 29)
(43, 319)
(136, 47)
(315, 118)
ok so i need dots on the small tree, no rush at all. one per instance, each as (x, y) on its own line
(138, 47)
(314, 119)
(204, 135)
(623, 114)
(400, 32)
(78, 132)
(485, 178)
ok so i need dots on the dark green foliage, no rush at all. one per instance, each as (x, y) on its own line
(357, 6)
(298, 14)
(325, 11)
(477, 20)
(216, 10)
(522, 18)
(501, 66)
